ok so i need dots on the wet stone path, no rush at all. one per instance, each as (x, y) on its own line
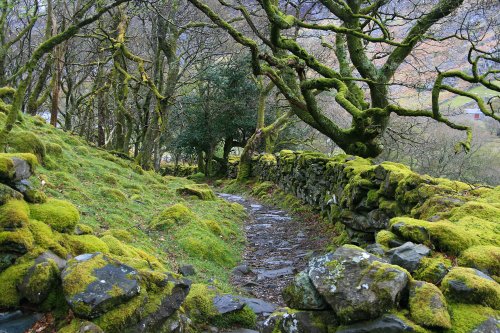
(278, 247)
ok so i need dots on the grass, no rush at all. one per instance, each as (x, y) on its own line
(459, 101)
(112, 193)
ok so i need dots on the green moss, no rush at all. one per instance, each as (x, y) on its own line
(262, 189)
(433, 269)
(79, 325)
(110, 179)
(202, 191)
(423, 300)
(483, 291)
(443, 235)
(177, 214)
(123, 315)
(197, 177)
(7, 193)
(214, 227)
(83, 229)
(9, 280)
(26, 142)
(7, 170)
(477, 209)
(35, 196)
(486, 258)
(383, 237)
(466, 317)
(121, 234)
(53, 149)
(61, 215)
(78, 276)
(242, 318)
(200, 308)
(20, 240)
(45, 238)
(200, 244)
(80, 244)
(113, 194)
(14, 214)
(39, 281)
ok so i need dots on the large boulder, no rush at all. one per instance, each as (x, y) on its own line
(302, 295)
(408, 255)
(357, 285)
(94, 284)
(428, 305)
(16, 167)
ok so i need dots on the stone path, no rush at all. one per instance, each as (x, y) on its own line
(278, 247)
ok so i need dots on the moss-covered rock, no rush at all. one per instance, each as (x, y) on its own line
(10, 278)
(428, 305)
(80, 326)
(16, 167)
(53, 149)
(293, 321)
(485, 258)
(26, 142)
(468, 285)
(200, 307)
(466, 318)
(113, 194)
(7, 193)
(177, 214)
(61, 215)
(94, 284)
(202, 191)
(83, 229)
(34, 196)
(39, 281)
(301, 294)
(386, 238)
(14, 214)
(19, 240)
(80, 244)
(433, 269)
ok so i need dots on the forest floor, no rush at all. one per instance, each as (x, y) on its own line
(278, 246)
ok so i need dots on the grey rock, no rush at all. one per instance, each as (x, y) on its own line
(301, 294)
(384, 324)
(273, 273)
(49, 255)
(491, 325)
(242, 330)
(22, 169)
(227, 303)
(23, 185)
(357, 285)
(375, 249)
(7, 193)
(258, 306)
(114, 284)
(408, 255)
(187, 270)
(17, 322)
(300, 322)
(241, 270)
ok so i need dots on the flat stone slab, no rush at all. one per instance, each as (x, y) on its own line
(273, 273)
(227, 303)
(258, 306)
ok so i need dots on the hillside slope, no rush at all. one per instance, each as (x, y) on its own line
(85, 200)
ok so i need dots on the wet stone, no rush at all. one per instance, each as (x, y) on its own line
(17, 322)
